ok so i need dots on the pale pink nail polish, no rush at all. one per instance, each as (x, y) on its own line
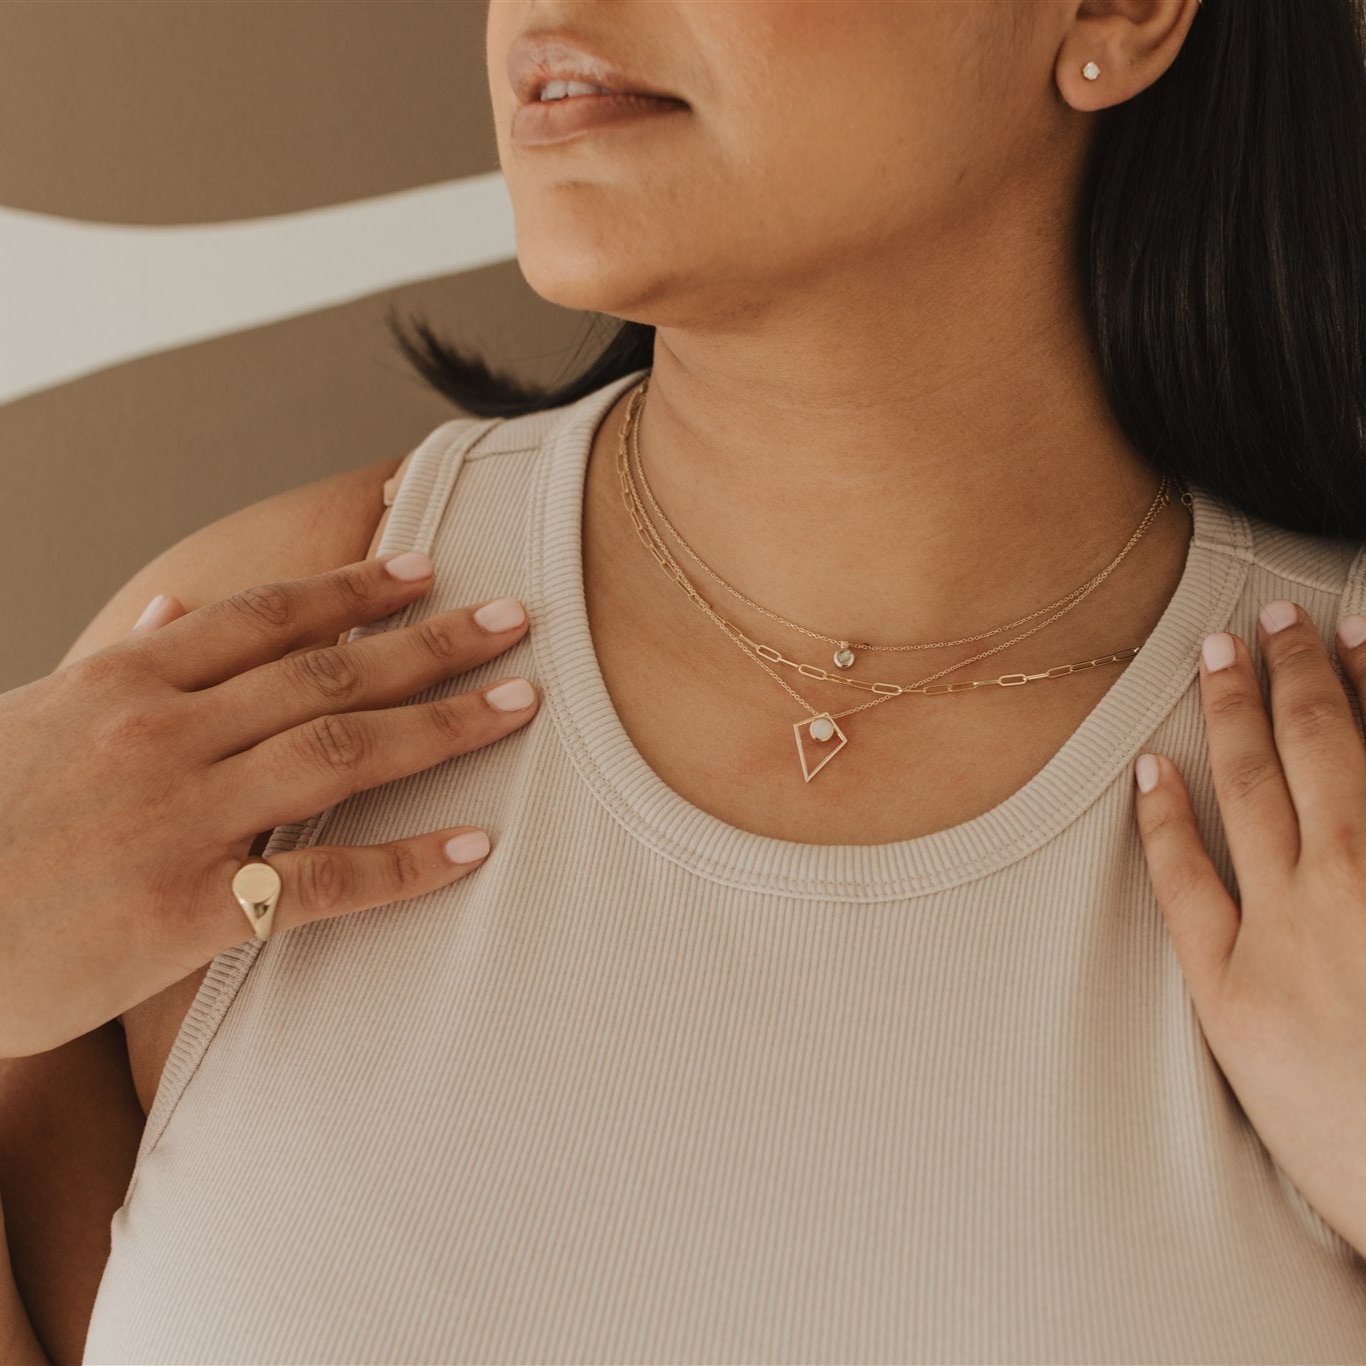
(151, 611)
(1277, 615)
(1352, 631)
(1218, 651)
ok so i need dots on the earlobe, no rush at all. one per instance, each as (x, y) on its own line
(1137, 47)
(1075, 81)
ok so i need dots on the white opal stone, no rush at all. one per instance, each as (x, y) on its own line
(822, 728)
(844, 658)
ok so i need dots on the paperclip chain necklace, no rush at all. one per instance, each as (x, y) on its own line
(821, 725)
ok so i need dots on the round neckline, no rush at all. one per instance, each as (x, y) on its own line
(1102, 747)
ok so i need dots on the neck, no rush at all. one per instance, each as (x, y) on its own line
(944, 466)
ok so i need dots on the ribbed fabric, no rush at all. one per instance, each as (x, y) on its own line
(650, 1088)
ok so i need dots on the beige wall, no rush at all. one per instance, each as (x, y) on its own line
(228, 122)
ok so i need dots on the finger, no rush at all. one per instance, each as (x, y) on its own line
(1260, 824)
(1350, 642)
(1201, 916)
(1320, 746)
(158, 612)
(333, 879)
(263, 622)
(299, 772)
(374, 671)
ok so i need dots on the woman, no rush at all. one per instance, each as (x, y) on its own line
(832, 1023)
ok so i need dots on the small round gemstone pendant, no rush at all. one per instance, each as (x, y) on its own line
(822, 728)
(844, 656)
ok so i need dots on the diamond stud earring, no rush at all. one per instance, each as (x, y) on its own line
(1090, 71)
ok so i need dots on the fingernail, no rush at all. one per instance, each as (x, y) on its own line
(513, 695)
(1276, 616)
(472, 844)
(410, 566)
(1145, 771)
(149, 612)
(1218, 651)
(502, 614)
(1352, 631)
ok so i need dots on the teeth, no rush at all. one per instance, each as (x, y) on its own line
(558, 90)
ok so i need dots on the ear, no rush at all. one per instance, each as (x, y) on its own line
(1127, 44)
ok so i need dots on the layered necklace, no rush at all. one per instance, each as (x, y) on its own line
(815, 731)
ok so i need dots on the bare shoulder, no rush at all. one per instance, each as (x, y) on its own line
(304, 530)
(300, 531)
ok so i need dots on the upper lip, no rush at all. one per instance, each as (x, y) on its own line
(535, 59)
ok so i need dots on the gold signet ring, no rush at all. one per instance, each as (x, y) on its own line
(257, 889)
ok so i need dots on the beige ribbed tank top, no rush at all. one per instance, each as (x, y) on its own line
(652, 1088)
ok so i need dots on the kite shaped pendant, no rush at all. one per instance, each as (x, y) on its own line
(820, 730)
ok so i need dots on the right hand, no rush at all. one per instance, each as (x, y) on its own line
(134, 780)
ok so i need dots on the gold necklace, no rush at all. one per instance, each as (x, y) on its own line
(822, 726)
(812, 671)
(844, 656)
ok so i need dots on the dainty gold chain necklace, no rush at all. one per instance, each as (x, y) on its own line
(821, 726)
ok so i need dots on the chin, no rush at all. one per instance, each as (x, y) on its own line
(591, 283)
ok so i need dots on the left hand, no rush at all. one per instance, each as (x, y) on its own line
(1278, 978)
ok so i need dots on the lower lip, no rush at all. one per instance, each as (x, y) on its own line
(542, 121)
